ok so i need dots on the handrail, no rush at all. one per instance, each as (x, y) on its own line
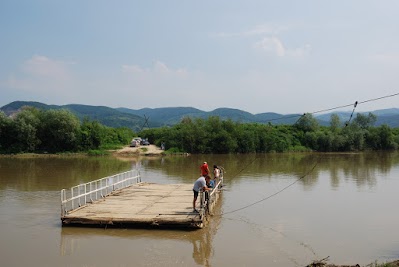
(206, 201)
(82, 194)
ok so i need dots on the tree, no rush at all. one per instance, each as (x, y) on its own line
(246, 139)
(58, 131)
(354, 137)
(307, 123)
(5, 132)
(335, 123)
(90, 135)
(25, 125)
(124, 135)
(365, 121)
(381, 138)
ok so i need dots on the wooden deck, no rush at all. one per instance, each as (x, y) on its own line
(144, 204)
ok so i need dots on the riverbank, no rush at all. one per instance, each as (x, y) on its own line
(323, 263)
(42, 155)
(127, 151)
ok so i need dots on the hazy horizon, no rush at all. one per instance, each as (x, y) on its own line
(349, 110)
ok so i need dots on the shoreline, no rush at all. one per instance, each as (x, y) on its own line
(126, 151)
(322, 263)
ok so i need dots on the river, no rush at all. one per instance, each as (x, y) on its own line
(275, 210)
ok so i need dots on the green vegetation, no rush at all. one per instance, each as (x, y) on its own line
(97, 152)
(157, 117)
(387, 264)
(57, 130)
(214, 135)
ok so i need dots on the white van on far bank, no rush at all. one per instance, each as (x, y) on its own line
(135, 142)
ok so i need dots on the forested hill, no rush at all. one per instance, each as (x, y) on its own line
(156, 117)
(105, 115)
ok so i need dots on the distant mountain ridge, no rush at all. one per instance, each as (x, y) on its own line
(172, 115)
(165, 116)
(168, 116)
(105, 115)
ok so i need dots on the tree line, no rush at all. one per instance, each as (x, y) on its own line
(54, 131)
(214, 135)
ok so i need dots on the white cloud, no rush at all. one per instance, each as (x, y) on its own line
(266, 29)
(271, 45)
(161, 67)
(160, 82)
(274, 46)
(41, 66)
(132, 69)
(261, 29)
(157, 69)
(299, 52)
(40, 74)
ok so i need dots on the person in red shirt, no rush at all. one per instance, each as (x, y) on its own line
(204, 169)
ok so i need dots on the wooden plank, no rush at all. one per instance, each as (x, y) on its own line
(143, 203)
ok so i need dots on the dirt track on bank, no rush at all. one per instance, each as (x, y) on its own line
(150, 150)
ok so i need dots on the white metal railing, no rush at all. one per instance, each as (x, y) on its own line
(83, 194)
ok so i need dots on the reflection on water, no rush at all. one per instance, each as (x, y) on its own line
(345, 208)
(360, 167)
(38, 174)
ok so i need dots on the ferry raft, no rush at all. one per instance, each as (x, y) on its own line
(124, 200)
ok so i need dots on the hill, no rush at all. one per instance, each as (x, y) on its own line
(165, 116)
(168, 116)
(105, 115)
(173, 115)
(384, 116)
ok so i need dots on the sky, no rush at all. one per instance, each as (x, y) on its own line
(257, 56)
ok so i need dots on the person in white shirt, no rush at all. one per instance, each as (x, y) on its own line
(198, 185)
(217, 175)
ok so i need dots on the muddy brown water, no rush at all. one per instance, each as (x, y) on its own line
(274, 211)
